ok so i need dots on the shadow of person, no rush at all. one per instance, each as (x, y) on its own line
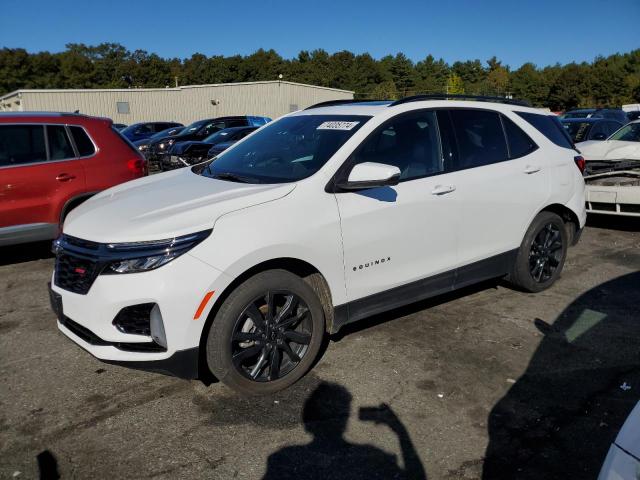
(47, 466)
(559, 419)
(329, 455)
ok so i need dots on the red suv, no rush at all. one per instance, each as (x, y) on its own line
(52, 162)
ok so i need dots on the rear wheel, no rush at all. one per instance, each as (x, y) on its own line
(266, 334)
(542, 254)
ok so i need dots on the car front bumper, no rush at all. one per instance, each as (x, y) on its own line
(177, 288)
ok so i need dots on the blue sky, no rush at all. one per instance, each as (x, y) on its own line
(541, 31)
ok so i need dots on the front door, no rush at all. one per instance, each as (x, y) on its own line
(396, 237)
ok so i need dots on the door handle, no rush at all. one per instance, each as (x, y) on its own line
(443, 189)
(65, 177)
(529, 169)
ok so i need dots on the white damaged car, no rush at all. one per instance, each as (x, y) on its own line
(612, 174)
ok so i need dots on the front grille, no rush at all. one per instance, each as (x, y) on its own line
(74, 273)
(135, 319)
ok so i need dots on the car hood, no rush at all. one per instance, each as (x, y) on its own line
(629, 436)
(610, 150)
(164, 206)
(181, 147)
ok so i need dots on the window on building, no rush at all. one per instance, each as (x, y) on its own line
(122, 107)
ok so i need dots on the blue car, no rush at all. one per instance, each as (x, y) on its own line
(140, 131)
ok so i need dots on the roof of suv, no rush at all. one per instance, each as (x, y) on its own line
(374, 108)
(53, 117)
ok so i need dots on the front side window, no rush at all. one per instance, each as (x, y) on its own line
(287, 150)
(22, 144)
(479, 137)
(409, 142)
(628, 133)
(59, 145)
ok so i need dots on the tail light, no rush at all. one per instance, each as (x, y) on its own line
(137, 166)
(580, 162)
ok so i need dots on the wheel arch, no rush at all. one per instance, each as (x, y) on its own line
(305, 270)
(569, 217)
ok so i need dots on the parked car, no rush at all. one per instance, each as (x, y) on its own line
(610, 113)
(200, 130)
(139, 131)
(238, 267)
(52, 162)
(220, 147)
(613, 173)
(623, 458)
(184, 154)
(583, 129)
(119, 126)
(143, 145)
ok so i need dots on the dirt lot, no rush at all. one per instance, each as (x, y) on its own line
(486, 383)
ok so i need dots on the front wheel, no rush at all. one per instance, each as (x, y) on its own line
(542, 254)
(266, 334)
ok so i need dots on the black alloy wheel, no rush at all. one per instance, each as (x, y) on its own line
(546, 253)
(271, 336)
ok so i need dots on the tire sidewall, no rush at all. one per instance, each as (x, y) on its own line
(522, 273)
(218, 345)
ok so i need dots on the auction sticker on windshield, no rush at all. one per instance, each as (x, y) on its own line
(337, 125)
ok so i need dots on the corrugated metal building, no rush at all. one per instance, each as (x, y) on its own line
(182, 104)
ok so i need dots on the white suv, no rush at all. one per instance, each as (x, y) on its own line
(238, 267)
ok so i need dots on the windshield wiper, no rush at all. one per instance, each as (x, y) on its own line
(233, 177)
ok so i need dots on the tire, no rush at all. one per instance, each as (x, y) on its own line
(541, 255)
(252, 348)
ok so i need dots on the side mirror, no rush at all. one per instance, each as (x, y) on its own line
(371, 175)
(599, 136)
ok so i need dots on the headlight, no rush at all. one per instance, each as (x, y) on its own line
(143, 147)
(144, 256)
(166, 144)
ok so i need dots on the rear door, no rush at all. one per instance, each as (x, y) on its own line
(500, 178)
(39, 171)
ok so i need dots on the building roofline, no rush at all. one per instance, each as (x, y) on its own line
(160, 89)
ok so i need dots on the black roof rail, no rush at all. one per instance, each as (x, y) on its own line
(332, 103)
(475, 98)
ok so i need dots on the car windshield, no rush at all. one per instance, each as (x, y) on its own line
(287, 150)
(578, 131)
(219, 136)
(194, 127)
(167, 133)
(628, 133)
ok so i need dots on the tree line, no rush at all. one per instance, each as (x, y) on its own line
(606, 81)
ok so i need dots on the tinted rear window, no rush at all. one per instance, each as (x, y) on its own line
(83, 142)
(21, 144)
(550, 127)
(59, 144)
(519, 142)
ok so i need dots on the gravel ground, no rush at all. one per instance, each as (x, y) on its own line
(484, 383)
